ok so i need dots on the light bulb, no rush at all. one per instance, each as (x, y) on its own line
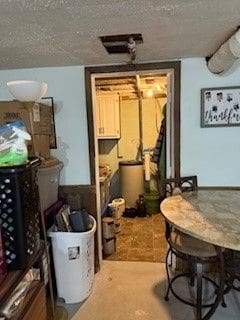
(149, 93)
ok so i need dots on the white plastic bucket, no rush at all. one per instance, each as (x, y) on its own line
(117, 225)
(73, 257)
(115, 210)
(120, 204)
(109, 246)
(108, 229)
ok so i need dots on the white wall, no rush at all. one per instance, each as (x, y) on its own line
(66, 86)
(126, 148)
(211, 153)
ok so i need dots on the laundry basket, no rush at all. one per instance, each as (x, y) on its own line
(73, 257)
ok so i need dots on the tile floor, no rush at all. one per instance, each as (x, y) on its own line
(135, 291)
(141, 239)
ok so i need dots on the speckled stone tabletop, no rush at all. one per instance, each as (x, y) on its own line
(209, 215)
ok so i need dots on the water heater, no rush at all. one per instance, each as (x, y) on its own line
(131, 181)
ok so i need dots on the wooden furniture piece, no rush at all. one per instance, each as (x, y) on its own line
(34, 305)
(211, 216)
(37, 309)
(232, 268)
(107, 116)
(185, 184)
(177, 186)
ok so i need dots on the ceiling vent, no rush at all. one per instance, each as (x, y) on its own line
(122, 43)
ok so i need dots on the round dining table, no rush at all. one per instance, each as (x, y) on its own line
(209, 215)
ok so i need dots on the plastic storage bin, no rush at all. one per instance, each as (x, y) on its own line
(19, 213)
(48, 182)
(152, 202)
(73, 257)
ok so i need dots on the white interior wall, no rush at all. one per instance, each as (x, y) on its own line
(66, 86)
(129, 141)
(211, 153)
(126, 148)
(152, 115)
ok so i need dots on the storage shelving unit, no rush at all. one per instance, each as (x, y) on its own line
(35, 294)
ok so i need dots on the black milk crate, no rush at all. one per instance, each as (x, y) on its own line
(19, 213)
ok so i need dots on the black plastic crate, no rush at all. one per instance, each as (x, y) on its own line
(19, 213)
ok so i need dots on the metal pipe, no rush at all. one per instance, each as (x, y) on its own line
(140, 125)
(140, 148)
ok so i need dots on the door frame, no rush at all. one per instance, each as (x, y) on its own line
(90, 72)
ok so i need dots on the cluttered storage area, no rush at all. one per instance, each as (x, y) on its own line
(42, 238)
(131, 135)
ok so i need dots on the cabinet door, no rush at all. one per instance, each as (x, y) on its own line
(107, 116)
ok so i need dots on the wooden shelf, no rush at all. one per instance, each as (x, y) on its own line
(14, 277)
(30, 296)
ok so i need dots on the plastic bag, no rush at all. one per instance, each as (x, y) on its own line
(17, 297)
(13, 149)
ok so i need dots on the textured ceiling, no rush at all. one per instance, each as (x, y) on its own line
(35, 33)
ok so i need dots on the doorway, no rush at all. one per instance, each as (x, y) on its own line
(93, 76)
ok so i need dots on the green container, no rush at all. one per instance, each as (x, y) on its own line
(152, 202)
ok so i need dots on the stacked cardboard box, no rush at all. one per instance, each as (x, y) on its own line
(38, 120)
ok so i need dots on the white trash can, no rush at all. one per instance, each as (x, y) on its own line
(73, 257)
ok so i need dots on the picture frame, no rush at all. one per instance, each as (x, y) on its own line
(220, 107)
(53, 140)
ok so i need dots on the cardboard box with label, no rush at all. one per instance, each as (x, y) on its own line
(39, 146)
(37, 118)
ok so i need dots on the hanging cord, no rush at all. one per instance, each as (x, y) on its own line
(158, 124)
(132, 49)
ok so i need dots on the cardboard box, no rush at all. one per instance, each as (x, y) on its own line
(39, 146)
(38, 121)
(36, 116)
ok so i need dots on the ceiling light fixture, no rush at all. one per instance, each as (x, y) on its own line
(27, 90)
(226, 55)
(149, 93)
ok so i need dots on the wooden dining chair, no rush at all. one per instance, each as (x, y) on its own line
(195, 253)
(232, 263)
(184, 184)
(177, 186)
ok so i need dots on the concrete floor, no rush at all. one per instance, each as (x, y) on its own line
(135, 291)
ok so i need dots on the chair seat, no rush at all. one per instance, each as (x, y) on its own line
(191, 246)
(232, 262)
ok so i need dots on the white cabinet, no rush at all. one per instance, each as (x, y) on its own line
(107, 116)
